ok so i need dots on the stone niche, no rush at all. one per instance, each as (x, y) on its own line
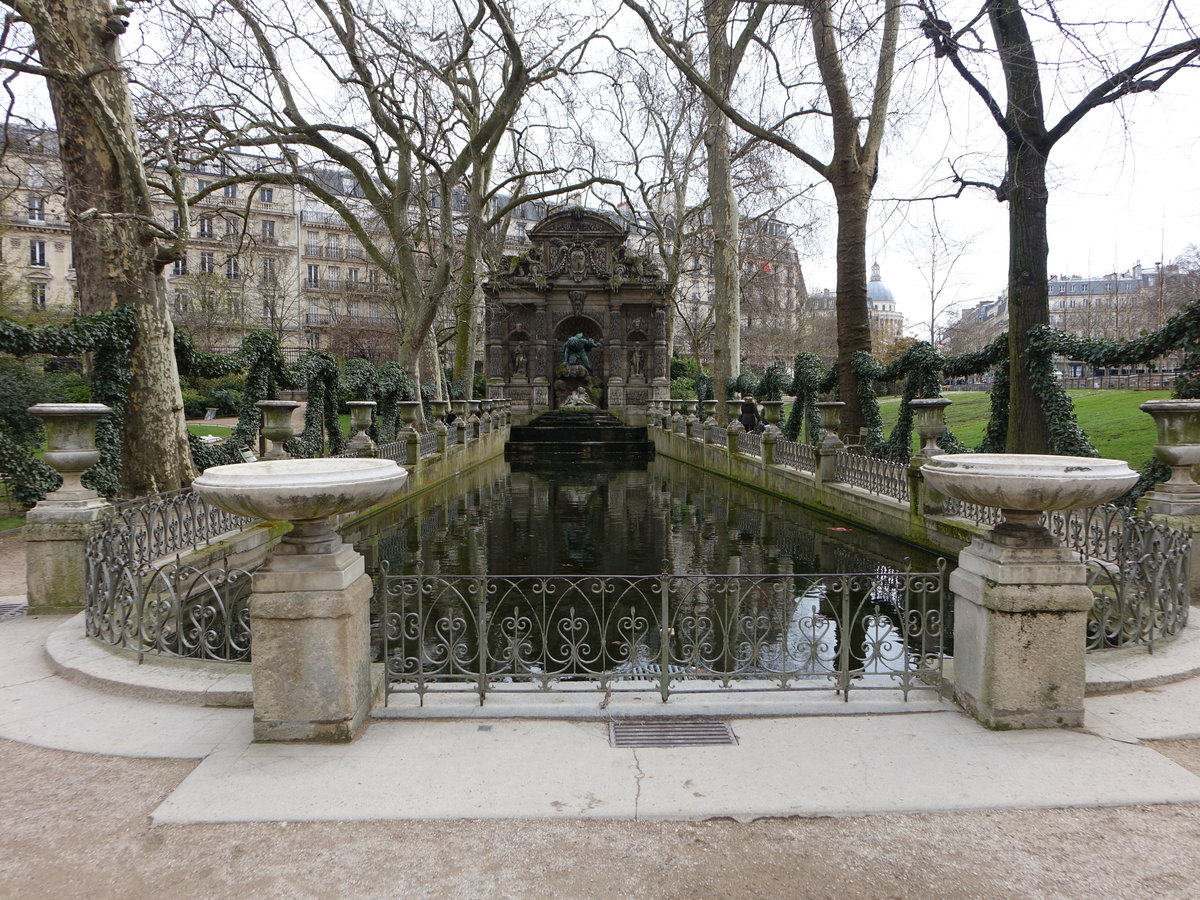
(577, 310)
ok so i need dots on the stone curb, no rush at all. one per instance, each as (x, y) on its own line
(91, 664)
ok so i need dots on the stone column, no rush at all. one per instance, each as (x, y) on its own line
(57, 528)
(930, 415)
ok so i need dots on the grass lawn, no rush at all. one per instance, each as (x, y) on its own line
(1111, 420)
(202, 430)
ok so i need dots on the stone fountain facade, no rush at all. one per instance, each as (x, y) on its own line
(578, 281)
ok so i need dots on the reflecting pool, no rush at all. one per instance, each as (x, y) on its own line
(660, 577)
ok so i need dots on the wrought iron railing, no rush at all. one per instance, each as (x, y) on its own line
(716, 434)
(139, 595)
(397, 451)
(429, 443)
(879, 476)
(470, 432)
(1138, 570)
(749, 444)
(796, 455)
(161, 525)
(665, 633)
(973, 512)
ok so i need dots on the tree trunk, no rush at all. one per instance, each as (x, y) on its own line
(853, 195)
(1028, 247)
(727, 305)
(116, 259)
(1028, 304)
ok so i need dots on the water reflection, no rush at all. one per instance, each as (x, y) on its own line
(696, 581)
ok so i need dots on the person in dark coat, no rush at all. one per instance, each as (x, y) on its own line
(749, 417)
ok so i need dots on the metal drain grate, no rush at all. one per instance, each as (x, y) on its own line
(670, 733)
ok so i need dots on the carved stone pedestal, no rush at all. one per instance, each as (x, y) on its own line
(1020, 619)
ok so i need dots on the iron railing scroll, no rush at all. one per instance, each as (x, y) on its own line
(670, 634)
(140, 595)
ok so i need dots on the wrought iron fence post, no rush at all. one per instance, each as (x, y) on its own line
(481, 625)
(664, 641)
(844, 644)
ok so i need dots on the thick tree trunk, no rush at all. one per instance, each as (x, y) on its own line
(853, 195)
(727, 304)
(116, 260)
(1028, 247)
(1028, 305)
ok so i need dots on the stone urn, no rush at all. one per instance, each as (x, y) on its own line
(277, 425)
(361, 412)
(710, 409)
(70, 443)
(409, 410)
(439, 408)
(734, 405)
(1023, 486)
(930, 420)
(1178, 445)
(831, 421)
(771, 411)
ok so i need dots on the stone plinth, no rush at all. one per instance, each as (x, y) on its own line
(55, 533)
(309, 604)
(1020, 619)
(311, 669)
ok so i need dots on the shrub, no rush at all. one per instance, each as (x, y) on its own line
(194, 404)
(226, 400)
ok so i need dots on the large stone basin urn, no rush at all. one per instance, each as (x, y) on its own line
(1020, 599)
(309, 606)
(1023, 486)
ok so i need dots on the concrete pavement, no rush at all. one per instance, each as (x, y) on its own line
(825, 758)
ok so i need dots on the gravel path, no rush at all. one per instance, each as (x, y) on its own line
(74, 825)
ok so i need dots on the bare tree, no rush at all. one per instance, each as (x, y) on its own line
(937, 256)
(1029, 138)
(852, 167)
(120, 250)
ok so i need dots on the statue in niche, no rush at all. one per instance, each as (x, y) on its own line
(575, 351)
(519, 359)
(637, 361)
(577, 298)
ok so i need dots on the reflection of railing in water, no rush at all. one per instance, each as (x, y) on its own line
(489, 634)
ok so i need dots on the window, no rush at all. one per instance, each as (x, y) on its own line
(268, 313)
(353, 249)
(203, 185)
(233, 269)
(313, 339)
(174, 220)
(208, 263)
(266, 194)
(71, 264)
(352, 309)
(314, 275)
(181, 301)
(37, 296)
(37, 209)
(333, 245)
(206, 226)
(268, 271)
(37, 253)
(334, 275)
(372, 277)
(179, 267)
(268, 231)
(230, 191)
(352, 276)
(312, 243)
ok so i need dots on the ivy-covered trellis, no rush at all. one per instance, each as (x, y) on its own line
(107, 337)
(922, 370)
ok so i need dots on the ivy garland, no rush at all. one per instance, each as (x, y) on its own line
(922, 369)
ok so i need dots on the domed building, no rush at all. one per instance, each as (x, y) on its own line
(886, 323)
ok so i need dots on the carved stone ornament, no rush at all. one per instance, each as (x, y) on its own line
(577, 298)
